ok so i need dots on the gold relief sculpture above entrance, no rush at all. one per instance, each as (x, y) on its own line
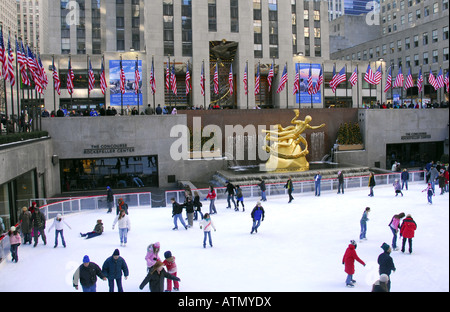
(287, 147)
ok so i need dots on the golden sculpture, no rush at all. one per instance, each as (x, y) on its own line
(286, 153)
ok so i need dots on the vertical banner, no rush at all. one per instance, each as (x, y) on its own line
(129, 98)
(303, 96)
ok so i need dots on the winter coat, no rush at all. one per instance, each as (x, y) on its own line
(341, 178)
(189, 205)
(372, 182)
(113, 268)
(386, 263)
(441, 180)
(14, 239)
(87, 275)
(197, 203)
(397, 186)
(349, 259)
(170, 265)
(257, 213)
(176, 208)
(151, 257)
(317, 178)
(38, 220)
(380, 287)
(433, 174)
(156, 280)
(58, 224)
(364, 217)
(109, 196)
(446, 176)
(207, 224)
(262, 186)
(394, 223)
(124, 206)
(230, 189)
(98, 228)
(25, 219)
(289, 185)
(405, 176)
(408, 228)
(124, 222)
(239, 194)
(211, 195)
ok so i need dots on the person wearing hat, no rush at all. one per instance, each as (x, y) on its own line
(25, 225)
(121, 206)
(98, 230)
(381, 284)
(58, 223)
(171, 266)
(257, 216)
(38, 225)
(87, 274)
(109, 199)
(152, 255)
(14, 241)
(397, 187)
(386, 263)
(349, 261)
(407, 231)
(112, 268)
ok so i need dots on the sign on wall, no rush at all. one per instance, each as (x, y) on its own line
(130, 97)
(303, 96)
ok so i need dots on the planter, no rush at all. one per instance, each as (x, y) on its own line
(350, 147)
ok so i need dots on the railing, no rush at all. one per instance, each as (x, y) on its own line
(51, 207)
(329, 184)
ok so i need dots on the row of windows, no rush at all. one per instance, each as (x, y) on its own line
(410, 3)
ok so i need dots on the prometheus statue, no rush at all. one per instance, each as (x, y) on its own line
(286, 152)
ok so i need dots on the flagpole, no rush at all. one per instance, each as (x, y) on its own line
(259, 71)
(19, 80)
(103, 66)
(204, 81)
(335, 97)
(323, 86)
(53, 76)
(346, 83)
(246, 67)
(70, 62)
(153, 77)
(287, 87)
(87, 66)
(421, 91)
(121, 93)
(310, 70)
(12, 88)
(174, 81)
(357, 86)
(138, 91)
(381, 90)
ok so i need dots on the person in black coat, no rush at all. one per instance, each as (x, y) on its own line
(189, 205)
(38, 224)
(176, 214)
(386, 263)
(109, 199)
(197, 206)
(230, 190)
(112, 268)
(290, 187)
(87, 275)
(262, 187)
(340, 182)
(155, 278)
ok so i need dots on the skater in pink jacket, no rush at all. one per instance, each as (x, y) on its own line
(152, 255)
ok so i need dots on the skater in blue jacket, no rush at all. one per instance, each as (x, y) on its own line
(257, 216)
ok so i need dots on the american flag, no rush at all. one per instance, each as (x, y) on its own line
(439, 80)
(152, 79)
(296, 88)
(319, 81)
(44, 77)
(398, 83)
(230, 80)
(270, 77)
(354, 77)
(168, 77)
(337, 79)
(202, 80)
(310, 82)
(70, 77)
(377, 76)
(432, 80)
(32, 66)
(173, 81)
(257, 81)
(21, 60)
(91, 79)
(103, 84)
(369, 77)
(12, 79)
(56, 80)
(122, 78)
(420, 81)
(409, 83)
(388, 81)
(188, 80)
(246, 79)
(446, 82)
(216, 79)
(137, 77)
(283, 80)
(2, 54)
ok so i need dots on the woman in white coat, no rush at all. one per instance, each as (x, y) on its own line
(124, 226)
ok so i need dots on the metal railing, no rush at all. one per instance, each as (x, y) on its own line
(329, 184)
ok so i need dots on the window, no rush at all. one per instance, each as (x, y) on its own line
(425, 58)
(212, 15)
(444, 5)
(445, 33)
(399, 45)
(407, 43)
(445, 54)
(410, 17)
(425, 38)
(408, 61)
(416, 41)
(417, 14)
(391, 47)
(168, 32)
(434, 36)
(426, 11)
(435, 8)
(435, 56)
(234, 15)
(416, 59)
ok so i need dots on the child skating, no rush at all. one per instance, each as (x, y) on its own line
(239, 199)
(14, 241)
(171, 266)
(430, 193)
(397, 187)
(58, 223)
(349, 261)
(207, 224)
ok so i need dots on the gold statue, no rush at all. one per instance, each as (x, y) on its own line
(286, 153)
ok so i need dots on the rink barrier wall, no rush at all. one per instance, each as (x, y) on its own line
(51, 207)
(327, 185)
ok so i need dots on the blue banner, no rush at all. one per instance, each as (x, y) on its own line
(130, 96)
(303, 96)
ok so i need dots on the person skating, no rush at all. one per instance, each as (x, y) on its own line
(397, 187)
(212, 198)
(386, 263)
(113, 268)
(38, 225)
(290, 187)
(189, 205)
(155, 278)
(124, 227)
(87, 274)
(262, 187)
(340, 182)
(394, 226)
(257, 217)
(207, 224)
(109, 199)
(239, 198)
(430, 193)
(363, 222)
(381, 284)
(197, 206)
(349, 261)
(177, 209)
(372, 183)
(230, 190)
(171, 266)
(25, 225)
(407, 231)
(317, 180)
(98, 230)
(59, 223)
(14, 242)
(152, 255)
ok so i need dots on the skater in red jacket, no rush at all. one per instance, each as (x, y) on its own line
(407, 231)
(349, 261)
